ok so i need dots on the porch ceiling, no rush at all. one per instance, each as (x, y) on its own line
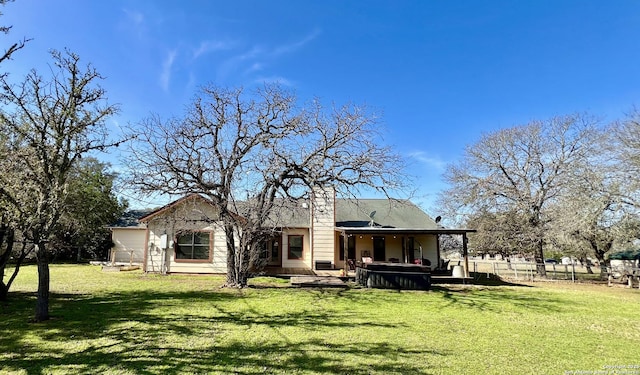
(396, 231)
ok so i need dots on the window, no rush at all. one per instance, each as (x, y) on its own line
(295, 247)
(193, 246)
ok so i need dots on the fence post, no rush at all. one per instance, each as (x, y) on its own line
(532, 274)
(573, 270)
(515, 270)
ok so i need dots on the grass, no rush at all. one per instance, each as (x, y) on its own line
(132, 323)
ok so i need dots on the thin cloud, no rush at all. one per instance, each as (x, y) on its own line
(136, 17)
(257, 58)
(287, 48)
(255, 67)
(207, 46)
(133, 22)
(165, 75)
(232, 64)
(275, 79)
(428, 161)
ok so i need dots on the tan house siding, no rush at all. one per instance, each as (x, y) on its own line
(319, 223)
(323, 238)
(128, 245)
(218, 262)
(306, 246)
(154, 253)
(194, 215)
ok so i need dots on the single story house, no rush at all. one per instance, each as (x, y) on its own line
(323, 232)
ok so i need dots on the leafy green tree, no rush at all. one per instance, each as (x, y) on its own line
(90, 206)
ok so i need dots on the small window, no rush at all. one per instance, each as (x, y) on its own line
(193, 246)
(295, 247)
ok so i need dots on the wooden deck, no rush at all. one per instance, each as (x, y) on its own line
(292, 272)
(319, 275)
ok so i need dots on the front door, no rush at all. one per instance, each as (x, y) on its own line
(270, 252)
(274, 250)
(378, 249)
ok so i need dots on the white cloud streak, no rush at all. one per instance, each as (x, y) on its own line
(136, 17)
(428, 161)
(287, 48)
(208, 46)
(275, 79)
(165, 75)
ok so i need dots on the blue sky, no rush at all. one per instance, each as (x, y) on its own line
(441, 72)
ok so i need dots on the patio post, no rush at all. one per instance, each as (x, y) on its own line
(465, 254)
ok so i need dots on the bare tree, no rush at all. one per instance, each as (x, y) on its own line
(625, 147)
(50, 123)
(505, 233)
(522, 170)
(595, 214)
(12, 47)
(252, 153)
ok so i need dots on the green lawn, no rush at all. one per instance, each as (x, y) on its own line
(131, 323)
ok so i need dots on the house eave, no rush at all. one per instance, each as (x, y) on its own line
(383, 230)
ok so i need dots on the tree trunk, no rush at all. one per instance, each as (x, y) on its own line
(42, 302)
(600, 255)
(233, 277)
(4, 291)
(6, 235)
(587, 264)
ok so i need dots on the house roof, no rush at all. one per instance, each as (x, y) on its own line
(173, 204)
(129, 219)
(291, 214)
(385, 213)
(352, 215)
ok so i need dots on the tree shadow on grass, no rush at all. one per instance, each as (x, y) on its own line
(497, 299)
(131, 332)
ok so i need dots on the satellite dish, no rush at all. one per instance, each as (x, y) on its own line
(372, 214)
(438, 218)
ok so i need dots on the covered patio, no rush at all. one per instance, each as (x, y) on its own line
(412, 246)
